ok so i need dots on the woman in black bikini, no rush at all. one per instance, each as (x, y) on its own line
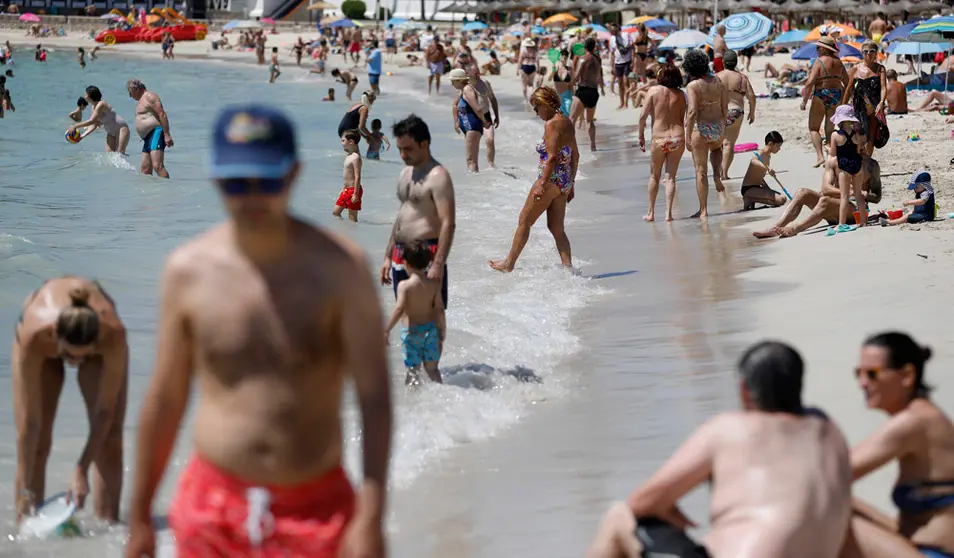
(825, 87)
(561, 78)
(589, 77)
(921, 438)
(529, 57)
(641, 44)
(866, 92)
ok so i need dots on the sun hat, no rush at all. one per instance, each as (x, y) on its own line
(844, 113)
(457, 74)
(827, 43)
(528, 42)
(253, 141)
(920, 178)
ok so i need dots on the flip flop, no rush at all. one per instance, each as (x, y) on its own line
(846, 228)
(831, 231)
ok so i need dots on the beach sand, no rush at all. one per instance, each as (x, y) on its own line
(540, 488)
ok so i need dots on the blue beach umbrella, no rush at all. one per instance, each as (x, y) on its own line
(901, 32)
(395, 21)
(810, 52)
(743, 30)
(474, 26)
(916, 48)
(597, 27)
(933, 30)
(230, 25)
(791, 38)
(342, 23)
(537, 30)
(660, 24)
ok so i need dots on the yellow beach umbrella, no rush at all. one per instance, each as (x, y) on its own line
(559, 19)
(640, 19)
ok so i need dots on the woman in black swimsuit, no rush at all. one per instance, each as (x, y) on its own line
(357, 116)
(641, 44)
(866, 92)
(843, 148)
(589, 77)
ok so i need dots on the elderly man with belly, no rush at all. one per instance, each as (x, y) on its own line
(152, 125)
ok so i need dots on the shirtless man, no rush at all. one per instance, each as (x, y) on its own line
(152, 125)
(823, 204)
(356, 45)
(878, 28)
(435, 57)
(718, 48)
(346, 43)
(70, 321)
(897, 96)
(754, 188)
(780, 478)
(270, 316)
(427, 210)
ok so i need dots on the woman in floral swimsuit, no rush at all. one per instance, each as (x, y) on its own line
(553, 189)
(825, 87)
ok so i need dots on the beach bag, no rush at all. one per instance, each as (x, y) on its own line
(447, 66)
(881, 132)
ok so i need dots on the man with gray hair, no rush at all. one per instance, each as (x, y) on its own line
(152, 125)
(779, 473)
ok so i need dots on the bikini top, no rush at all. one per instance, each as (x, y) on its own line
(908, 497)
(556, 77)
(825, 69)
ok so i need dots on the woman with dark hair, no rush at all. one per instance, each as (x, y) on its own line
(70, 321)
(559, 159)
(561, 77)
(666, 103)
(825, 86)
(739, 89)
(588, 81)
(641, 44)
(867, 92)
(921, 438)
(705, 121)
(117, 131)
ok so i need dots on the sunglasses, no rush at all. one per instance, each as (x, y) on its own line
(870, 51)
(871, 374)
(246, 186)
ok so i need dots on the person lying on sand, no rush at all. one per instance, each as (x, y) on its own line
(754, 188)
(823, 204)
(412, 60)
(936, 100)
(923, 202)
(780, 478)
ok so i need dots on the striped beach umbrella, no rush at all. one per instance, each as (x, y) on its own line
(743, 30)
(934, 30)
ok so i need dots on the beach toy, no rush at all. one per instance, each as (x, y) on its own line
(389, 74)
(54, 518)
(578, 49)
(553, 55)
(745, 147)
(914, 136)
(950, 215)
(73, 137)
(894, 213)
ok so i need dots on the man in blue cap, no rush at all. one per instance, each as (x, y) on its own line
(270, 315)
(923, 202)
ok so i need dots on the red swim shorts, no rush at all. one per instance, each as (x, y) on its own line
(355, 46)
(344, 199)
(214, 514)
(718, 65)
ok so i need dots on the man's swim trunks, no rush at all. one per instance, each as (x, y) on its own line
(373, 155)
(662, 539)
(344, 199)
(398, 273)
(718, 65)
(215, 514)
(421, 344)
(154, 141)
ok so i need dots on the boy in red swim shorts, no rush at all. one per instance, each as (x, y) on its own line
(270, 315)
(350, 196)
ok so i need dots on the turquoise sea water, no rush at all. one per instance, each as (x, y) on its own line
(74, 209)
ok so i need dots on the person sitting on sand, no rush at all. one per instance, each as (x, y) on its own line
(897, 97)
(824, 205)
(412, 60)
(779, 474)
(920, 437)
(638, 94)
(936, 100)
(923, 202)
(492, 67)
(754, 188)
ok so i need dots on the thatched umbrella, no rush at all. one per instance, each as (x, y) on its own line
(921, 7)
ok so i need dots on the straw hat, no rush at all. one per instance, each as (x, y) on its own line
(827, 43)
(844, 113)
(457, 75)
(528, 43)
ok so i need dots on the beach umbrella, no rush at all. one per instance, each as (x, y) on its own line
(640, 19)
(686, 38)
(395, 21)
(596, 27)
(916, 48)
(810, 52)
(559, 19)
(846, 31)
(743, 30)
(321, 5)
(900, 32)
(474, 26)
(30, 18)
(791, 38)
(114, 17)
(933, 30)
(343, 22)
(241, 24)
(537, 30)
(659, 24)
(328, 20)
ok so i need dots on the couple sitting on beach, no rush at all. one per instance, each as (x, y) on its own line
(780, 474)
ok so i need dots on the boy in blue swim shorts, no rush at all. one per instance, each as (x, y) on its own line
(421, 306)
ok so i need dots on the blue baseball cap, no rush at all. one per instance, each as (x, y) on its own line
(920, 178)
(253, 141)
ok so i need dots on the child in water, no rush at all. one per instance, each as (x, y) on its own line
(350, 196)
(81, 57)
(77, 114)
(375, 140)
(420, 304)
(331, 95)
(273, 68)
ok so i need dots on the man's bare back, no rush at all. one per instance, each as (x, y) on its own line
(718, 46)
(783, 486)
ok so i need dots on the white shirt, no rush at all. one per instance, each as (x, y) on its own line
(426, 40)
(618, 57)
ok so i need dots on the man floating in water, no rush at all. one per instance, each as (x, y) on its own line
(270, 315)
(152, 125)
(780, 478)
